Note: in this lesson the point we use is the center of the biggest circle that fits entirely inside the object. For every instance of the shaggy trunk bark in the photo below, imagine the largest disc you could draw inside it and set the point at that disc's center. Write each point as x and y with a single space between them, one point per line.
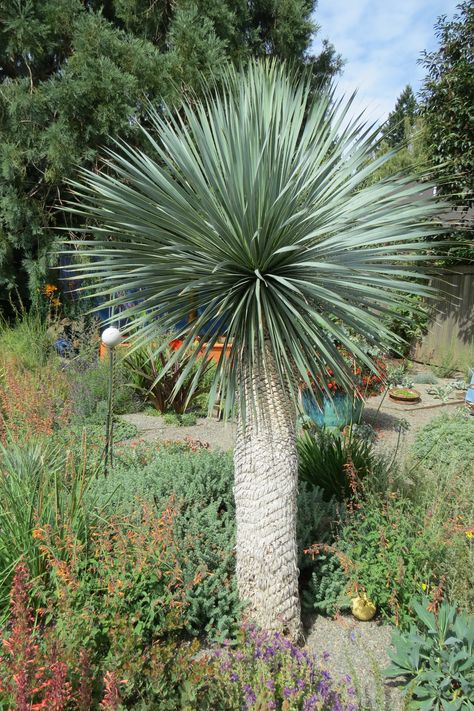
266 480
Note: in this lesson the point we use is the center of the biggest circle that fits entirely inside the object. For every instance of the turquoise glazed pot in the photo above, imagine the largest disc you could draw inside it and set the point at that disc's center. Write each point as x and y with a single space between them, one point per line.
339 411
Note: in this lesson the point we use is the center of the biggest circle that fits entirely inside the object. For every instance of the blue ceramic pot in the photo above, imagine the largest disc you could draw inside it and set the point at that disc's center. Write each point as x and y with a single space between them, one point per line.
339 411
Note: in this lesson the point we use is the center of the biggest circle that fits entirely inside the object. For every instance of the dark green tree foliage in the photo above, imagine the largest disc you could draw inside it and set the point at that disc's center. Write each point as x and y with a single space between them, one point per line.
74 72
401 120
448 100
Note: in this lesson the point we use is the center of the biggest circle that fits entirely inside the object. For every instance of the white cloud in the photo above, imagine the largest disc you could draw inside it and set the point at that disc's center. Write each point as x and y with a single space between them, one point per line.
381 42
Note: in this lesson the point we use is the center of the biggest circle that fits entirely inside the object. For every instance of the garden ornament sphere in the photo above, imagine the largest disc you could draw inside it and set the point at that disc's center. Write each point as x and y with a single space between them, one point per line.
111 337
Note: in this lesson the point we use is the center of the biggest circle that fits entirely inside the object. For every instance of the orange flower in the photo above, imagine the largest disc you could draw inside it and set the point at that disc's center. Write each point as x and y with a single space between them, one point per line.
49 289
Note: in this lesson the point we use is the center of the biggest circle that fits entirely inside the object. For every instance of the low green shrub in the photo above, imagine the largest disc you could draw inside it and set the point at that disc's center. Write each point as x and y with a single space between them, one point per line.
425 379
27 342
335 462
446 441
204 526
188 419
89 383
315 520
436 658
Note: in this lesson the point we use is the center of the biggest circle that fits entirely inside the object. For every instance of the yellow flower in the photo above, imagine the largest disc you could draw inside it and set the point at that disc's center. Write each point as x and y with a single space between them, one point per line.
424 586
470 533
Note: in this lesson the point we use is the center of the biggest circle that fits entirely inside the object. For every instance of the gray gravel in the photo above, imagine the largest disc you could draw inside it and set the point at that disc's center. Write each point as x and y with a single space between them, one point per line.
217 434
357 649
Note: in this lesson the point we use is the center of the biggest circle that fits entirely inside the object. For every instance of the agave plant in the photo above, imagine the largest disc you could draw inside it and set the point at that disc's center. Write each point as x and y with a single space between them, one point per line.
250 207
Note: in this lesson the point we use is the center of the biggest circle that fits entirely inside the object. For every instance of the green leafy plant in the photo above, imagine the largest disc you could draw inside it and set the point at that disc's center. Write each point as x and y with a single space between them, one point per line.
397 375
409 322
436 658
151 374
388 548
334 462
441 392
315 520
200 484
89 383
26 341
123 600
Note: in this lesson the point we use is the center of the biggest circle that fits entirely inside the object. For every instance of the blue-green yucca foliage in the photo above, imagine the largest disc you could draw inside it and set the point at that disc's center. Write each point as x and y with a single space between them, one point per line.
252 204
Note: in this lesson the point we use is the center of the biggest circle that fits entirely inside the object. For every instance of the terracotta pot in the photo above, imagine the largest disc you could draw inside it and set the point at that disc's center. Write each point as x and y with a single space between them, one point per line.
216 352
103 350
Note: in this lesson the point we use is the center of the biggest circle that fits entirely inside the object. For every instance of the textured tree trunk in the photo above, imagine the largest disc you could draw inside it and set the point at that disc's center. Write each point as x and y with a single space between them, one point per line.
266 480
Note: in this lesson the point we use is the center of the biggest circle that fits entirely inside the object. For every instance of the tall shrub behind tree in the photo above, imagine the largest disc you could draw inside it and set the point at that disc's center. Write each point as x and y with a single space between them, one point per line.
448 97
252 205
74 73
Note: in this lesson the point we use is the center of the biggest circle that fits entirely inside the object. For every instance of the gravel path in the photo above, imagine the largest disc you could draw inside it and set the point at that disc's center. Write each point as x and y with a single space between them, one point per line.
357 649
385 419
217 434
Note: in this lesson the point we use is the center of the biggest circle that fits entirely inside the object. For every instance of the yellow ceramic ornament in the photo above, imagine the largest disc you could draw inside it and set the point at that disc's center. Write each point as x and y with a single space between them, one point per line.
363 608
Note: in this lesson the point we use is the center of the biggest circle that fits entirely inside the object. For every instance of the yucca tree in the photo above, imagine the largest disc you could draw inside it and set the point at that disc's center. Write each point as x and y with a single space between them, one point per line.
252 204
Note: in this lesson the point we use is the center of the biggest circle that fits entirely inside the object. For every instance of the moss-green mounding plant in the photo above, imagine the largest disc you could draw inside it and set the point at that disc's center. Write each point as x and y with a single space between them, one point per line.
437 659
326 593
446 441
39 488
187 419
425 379
251 207
334 462
149 375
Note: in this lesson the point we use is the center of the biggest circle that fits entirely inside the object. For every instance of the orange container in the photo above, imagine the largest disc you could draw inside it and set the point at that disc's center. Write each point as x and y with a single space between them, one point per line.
103 350
214 355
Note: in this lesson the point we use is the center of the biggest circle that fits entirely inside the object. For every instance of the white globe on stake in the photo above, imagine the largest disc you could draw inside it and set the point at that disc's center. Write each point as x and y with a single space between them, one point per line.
111 337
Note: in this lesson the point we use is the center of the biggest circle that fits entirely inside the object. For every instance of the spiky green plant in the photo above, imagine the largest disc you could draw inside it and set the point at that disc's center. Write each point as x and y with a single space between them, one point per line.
252 206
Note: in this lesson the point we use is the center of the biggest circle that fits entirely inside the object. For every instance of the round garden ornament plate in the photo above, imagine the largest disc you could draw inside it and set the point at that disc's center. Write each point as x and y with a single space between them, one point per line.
408 395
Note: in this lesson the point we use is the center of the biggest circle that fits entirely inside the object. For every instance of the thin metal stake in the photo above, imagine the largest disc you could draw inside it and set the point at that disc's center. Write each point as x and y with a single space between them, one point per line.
109 427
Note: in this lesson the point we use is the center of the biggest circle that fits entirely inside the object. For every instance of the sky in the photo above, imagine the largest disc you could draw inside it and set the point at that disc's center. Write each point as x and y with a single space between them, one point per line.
381 41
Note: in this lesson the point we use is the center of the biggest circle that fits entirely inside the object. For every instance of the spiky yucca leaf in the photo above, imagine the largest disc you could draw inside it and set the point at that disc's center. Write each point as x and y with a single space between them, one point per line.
252 204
